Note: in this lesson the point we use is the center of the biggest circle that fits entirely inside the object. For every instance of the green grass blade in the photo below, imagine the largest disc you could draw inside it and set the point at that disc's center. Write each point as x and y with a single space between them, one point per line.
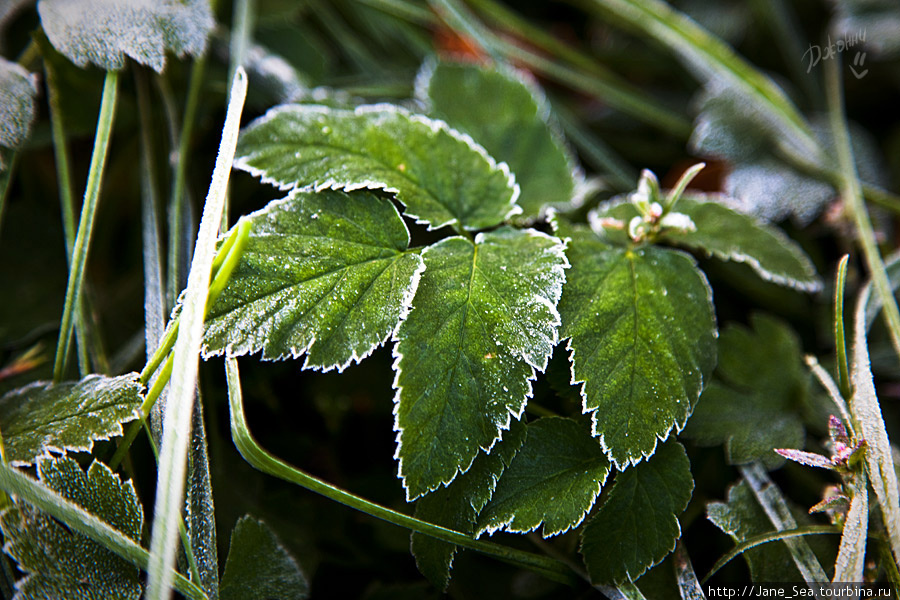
713 60
176 432
86 223
603 85
770 499
840 339
78 519
64 183
154 292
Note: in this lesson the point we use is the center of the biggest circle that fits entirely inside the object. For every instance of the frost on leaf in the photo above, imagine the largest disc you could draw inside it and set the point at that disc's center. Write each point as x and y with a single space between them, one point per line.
719 230
439 174
104 32
457 506
259 567
642 335
61 563
483 320
553 480
731 235
637 525
754 402
327 274
44 417
18 89
515 126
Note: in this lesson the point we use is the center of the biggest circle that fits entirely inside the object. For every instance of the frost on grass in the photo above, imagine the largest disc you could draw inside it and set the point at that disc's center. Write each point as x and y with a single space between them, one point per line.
104 32
44 417
324 274
61 563
18 89
483 320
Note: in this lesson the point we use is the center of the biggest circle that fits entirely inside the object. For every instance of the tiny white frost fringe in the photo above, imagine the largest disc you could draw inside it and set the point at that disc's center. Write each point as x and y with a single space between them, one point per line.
865 409
177 419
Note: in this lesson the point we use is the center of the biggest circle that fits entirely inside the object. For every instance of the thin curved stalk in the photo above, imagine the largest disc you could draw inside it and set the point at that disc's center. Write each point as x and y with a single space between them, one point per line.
765 538
86 223
226 261
259 458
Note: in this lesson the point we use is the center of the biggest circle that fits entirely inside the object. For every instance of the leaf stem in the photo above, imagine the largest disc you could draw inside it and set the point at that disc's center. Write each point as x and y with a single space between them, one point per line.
259 458
225 262
86 223
78 519
772 536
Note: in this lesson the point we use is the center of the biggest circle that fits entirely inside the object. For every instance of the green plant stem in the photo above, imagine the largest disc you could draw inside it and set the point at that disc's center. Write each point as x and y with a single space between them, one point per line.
259 458
226 261
85 225
765 538
617 94
852 195
78 519
67 204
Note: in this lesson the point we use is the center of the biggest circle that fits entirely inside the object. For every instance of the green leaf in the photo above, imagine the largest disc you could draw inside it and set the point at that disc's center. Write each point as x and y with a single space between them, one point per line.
18 89
729 235
505 111
483 319
61 563
457 506
327 274
44 417
742 517
440 175
103 33
754 403
259 567
642 339
637 525
554 479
